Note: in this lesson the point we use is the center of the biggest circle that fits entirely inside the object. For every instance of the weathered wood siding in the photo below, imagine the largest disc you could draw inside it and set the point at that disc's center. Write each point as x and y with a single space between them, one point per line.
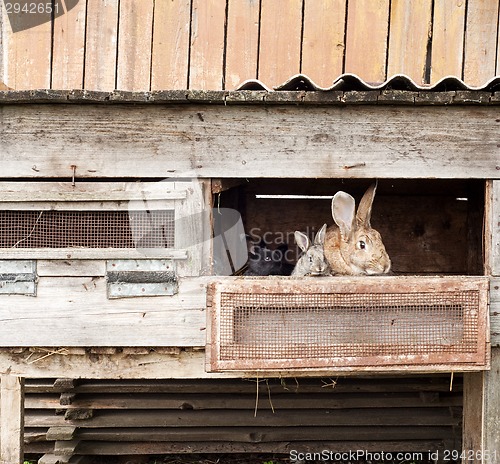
411 413
218 44
105 141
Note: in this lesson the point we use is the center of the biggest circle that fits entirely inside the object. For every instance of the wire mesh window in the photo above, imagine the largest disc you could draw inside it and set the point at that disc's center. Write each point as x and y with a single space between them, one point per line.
358 323
87 229
316 325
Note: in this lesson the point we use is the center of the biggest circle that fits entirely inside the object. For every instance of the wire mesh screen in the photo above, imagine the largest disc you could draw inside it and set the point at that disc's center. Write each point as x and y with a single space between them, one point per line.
87 229
305 327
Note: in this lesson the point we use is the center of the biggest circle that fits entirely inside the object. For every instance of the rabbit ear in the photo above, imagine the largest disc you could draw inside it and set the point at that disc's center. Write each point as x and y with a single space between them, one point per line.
320 236
302 240
343 208
364 213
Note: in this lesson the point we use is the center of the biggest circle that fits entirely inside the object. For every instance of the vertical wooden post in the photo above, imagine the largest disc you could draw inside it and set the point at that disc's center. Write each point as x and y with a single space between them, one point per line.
492 408
491 441
473 413
11 419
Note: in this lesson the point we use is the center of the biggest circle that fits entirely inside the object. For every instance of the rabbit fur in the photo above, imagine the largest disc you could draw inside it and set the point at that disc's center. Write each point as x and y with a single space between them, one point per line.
312 262
351 246
264 262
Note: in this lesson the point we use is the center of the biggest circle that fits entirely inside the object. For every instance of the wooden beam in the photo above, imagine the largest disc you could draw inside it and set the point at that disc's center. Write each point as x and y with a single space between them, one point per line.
44 141
493 231
473 413
11 419
492 406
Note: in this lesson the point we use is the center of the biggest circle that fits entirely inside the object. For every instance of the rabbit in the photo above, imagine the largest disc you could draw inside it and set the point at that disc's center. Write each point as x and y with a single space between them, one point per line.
312 262
264 262
351 246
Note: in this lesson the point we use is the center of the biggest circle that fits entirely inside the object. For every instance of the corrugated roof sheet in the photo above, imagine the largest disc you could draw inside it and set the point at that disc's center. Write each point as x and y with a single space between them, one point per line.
352 82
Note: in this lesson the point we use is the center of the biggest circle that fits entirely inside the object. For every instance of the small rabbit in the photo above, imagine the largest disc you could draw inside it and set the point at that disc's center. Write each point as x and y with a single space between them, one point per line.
264 262
312 262
351 246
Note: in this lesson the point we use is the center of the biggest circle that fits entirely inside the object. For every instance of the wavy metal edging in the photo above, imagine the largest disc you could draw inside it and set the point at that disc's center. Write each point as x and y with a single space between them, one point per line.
346 82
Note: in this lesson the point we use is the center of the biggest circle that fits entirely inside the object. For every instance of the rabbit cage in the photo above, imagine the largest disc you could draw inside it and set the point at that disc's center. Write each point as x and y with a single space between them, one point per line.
88 251
429 313
136 253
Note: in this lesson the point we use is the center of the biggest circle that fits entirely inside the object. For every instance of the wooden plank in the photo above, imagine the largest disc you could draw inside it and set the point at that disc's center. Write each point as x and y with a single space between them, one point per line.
242 42
192 228
89 191
473 416
134 45
366 39
272 448
265 434
410 32
11 419
26 52
375 142
480 41
493 247
280 37
69 48
95 253
74 311
448 28
182 365
3 48
495 311
303 418
492 404
207 45
68 268
370 385
323 42
215 401
101 44
170 49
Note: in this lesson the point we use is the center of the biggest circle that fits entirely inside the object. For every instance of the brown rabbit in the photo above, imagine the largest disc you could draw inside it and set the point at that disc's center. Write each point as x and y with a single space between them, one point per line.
351 246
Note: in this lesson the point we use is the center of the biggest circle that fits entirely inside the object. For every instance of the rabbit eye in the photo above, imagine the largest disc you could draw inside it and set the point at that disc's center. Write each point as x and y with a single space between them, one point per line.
362 245
267 258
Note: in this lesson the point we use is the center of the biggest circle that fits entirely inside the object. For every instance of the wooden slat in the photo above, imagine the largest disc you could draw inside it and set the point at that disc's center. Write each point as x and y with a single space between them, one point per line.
371 385
277 401
494 247
280 35
324 41
242 41
265 434
480 41
207 44
167 418
495 311
473 415
11 419
19 192
69 48
101 44
375 141
170 50
492 403
74 311
134 45
3 29
410 31
67 268
447 39
26 53
366 40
